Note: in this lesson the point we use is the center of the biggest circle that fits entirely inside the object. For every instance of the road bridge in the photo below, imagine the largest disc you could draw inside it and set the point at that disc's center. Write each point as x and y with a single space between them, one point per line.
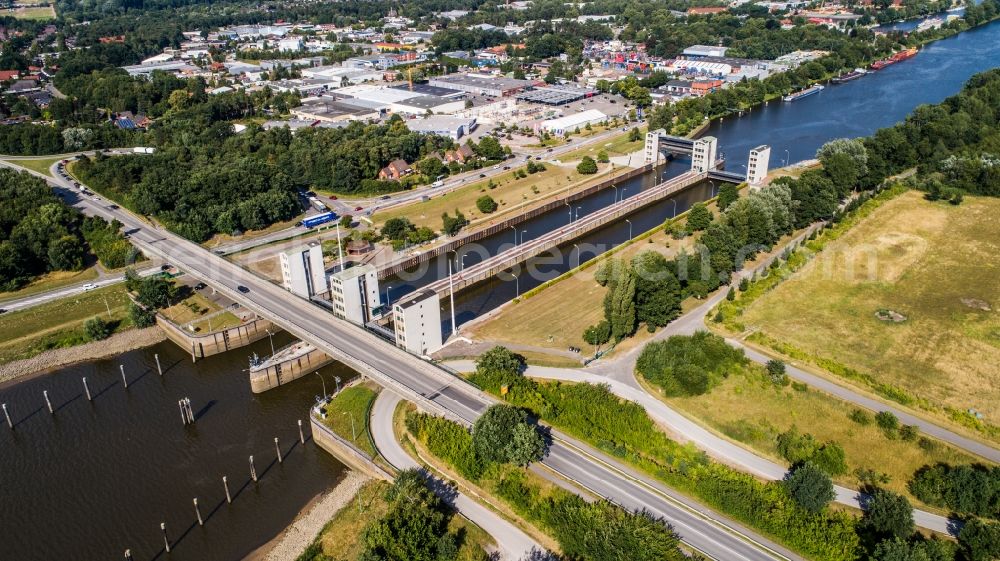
432 389
490 267
727 176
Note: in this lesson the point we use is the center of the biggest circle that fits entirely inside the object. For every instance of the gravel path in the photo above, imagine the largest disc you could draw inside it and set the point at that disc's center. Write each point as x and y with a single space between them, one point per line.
297 537
112 346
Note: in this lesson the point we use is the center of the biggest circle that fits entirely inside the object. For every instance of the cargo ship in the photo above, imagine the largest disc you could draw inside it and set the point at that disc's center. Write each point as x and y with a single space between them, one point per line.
853 75
898 57
804 93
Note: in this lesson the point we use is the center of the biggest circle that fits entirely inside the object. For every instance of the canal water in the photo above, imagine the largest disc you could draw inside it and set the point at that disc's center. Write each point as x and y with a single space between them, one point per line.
98 477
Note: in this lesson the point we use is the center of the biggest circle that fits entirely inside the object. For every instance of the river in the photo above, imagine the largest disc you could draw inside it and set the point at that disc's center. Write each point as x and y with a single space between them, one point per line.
97 478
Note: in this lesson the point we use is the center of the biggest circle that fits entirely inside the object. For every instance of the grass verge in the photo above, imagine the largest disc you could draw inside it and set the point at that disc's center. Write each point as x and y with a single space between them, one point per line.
50 281
347 414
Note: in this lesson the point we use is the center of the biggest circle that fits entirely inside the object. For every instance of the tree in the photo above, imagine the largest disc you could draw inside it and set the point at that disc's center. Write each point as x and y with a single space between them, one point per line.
77 138
500 360
397 228
776 372
657 290
602 157
489 148
97 329
503 435
845 160
486 204
809 487
728 194
346 221
620 305
699 217
980 540
66 253
902 550
451 225
139 316
587 166
412 528
888 515
598 334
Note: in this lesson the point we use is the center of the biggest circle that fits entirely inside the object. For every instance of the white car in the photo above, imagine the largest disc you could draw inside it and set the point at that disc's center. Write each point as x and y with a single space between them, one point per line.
89 286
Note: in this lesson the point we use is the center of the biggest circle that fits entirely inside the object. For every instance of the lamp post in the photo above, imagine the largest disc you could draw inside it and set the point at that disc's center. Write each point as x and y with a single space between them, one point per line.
523 232
387 289
515 235
712 183
570 211
336 380
629 229
675 207
787 157
354 433
615 187
270 337
577 213
577 256
517 284
324 382
464 255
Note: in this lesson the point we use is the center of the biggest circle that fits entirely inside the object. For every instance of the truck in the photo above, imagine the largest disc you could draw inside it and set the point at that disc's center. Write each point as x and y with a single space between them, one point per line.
318 204
313 221
143 150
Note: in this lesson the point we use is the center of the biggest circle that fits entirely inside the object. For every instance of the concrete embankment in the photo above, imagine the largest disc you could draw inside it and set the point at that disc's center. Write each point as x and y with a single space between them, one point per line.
201 346
95 350
291 363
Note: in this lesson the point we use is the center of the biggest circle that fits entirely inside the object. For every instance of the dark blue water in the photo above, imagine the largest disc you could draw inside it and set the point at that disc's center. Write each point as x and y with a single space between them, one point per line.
861 107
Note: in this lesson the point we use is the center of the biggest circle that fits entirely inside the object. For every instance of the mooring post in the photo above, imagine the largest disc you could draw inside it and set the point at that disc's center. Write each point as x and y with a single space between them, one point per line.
6 415
253 471
128 555
47 402
277 449
124 380
166 542
184 419
197 512
302 437
86 389
158 369
225 483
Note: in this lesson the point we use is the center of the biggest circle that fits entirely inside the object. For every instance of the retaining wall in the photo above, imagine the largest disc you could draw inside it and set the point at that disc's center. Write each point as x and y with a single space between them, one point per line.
285 371
350 455
201 346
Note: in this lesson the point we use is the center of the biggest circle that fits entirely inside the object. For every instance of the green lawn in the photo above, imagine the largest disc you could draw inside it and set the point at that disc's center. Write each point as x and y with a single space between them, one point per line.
34 12
26 333
40 165
353 402
936 265
50 281
620 145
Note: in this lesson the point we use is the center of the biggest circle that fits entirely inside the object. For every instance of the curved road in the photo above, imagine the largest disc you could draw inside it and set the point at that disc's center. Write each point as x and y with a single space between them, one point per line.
513 543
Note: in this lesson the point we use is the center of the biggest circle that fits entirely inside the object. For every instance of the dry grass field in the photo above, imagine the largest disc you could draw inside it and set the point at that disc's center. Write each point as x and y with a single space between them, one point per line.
934 267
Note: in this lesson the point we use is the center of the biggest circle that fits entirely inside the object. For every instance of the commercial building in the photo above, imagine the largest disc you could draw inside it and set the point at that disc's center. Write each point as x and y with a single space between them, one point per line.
555 95
354 293
329 109
757 167
704 50
452 127
569 123
302 270
417 322
424 104
481 85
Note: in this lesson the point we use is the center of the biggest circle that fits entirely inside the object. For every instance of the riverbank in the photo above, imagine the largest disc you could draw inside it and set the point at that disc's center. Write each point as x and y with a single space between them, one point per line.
288 545
117 344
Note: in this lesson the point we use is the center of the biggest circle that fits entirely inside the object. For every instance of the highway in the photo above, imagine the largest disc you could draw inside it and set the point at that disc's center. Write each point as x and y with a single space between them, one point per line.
430 387
514 544
71 290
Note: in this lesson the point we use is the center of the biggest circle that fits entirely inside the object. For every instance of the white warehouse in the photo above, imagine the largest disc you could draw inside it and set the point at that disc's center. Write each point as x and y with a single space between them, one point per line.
569 123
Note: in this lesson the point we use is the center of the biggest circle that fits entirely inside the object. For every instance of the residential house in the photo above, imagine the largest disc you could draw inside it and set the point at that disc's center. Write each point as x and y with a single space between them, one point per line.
461 155
395 170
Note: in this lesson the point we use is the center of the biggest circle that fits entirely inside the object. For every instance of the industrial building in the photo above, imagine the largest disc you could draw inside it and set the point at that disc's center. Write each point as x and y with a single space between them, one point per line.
417 322
555 95
423 104
481 85
569 123
354 293
330 109
302 270
452 127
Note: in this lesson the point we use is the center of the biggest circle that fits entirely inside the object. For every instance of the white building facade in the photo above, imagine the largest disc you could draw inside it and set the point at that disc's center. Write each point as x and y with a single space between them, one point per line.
417 322
354 293
302 270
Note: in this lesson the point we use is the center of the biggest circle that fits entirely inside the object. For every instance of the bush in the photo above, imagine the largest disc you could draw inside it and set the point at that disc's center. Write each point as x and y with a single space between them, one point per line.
587 166
776 372
809 487
598 334
140 317
980 541
888 423
861 417
453 224
909 433
502 435
967 489
888 515
802 447
688 365
602 157
97 329
486 204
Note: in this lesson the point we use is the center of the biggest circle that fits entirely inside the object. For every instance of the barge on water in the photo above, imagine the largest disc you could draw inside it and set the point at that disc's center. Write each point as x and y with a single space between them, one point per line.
898 57
804 93
853 75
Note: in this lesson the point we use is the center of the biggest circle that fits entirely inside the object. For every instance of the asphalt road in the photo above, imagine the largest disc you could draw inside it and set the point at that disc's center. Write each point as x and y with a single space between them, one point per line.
430 387
513 543
67 291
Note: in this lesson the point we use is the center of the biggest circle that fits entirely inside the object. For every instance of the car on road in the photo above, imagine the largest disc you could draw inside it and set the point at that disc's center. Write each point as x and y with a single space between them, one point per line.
482 175
437 183
384 198
200 286
333 197
242 289
3 310
538 157
89 286
165 267
358 208
549 150
113 207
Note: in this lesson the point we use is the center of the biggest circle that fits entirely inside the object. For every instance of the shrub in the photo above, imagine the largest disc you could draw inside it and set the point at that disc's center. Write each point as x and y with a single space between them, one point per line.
97 329
776 372
861 417
809 487
602 157
503 435
909 433
888 423
140 317
688 365
587 166
486 204
888 515
967 489
802 447
980 541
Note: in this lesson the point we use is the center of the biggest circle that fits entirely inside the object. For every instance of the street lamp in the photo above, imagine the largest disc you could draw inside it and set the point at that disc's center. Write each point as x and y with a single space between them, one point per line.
324 382
787 157
517 284
336 379
464 255
523 232
712 183
675 207
629 229
577 256
387 289
270 337
578 213
570 211
615 187
354 433
515 235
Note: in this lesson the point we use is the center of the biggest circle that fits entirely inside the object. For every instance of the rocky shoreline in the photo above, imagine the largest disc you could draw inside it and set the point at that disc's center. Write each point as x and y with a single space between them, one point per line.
307 525
115 345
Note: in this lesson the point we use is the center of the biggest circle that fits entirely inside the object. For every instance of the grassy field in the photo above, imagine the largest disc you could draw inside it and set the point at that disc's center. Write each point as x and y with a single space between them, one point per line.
749 409
40 165
509 193
617 146
934 264
353 401
50 281
200 313
34 12
26 333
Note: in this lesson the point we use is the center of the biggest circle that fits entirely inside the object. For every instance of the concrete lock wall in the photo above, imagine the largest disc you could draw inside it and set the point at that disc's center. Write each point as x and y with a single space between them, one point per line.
285 371
347 453
201 346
